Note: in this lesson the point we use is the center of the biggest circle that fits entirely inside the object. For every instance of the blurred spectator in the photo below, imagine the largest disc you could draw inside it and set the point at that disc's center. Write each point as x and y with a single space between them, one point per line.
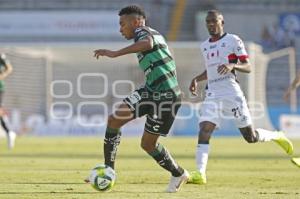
266 38
274 37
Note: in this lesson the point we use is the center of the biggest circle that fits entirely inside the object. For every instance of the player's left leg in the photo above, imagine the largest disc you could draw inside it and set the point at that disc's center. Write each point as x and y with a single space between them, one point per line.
262 135
113 134
162 156
11 135
243 121
159 121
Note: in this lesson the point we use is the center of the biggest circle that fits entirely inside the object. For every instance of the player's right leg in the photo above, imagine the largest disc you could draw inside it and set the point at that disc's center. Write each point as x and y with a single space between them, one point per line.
209 120
113 134
202 151
130 109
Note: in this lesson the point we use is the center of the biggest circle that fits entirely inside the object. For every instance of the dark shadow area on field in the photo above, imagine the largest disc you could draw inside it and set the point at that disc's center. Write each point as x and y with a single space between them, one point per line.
128 191
76 183
82 193
48 192
178 156
46 183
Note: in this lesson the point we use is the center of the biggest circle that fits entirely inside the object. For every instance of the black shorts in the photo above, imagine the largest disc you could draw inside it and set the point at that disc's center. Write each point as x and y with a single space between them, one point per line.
159 108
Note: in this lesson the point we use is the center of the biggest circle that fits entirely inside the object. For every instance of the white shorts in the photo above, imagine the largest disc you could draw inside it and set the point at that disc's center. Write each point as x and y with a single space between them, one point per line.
229 107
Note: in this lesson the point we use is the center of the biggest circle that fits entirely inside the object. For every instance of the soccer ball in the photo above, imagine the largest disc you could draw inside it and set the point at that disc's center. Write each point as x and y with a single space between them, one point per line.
102 177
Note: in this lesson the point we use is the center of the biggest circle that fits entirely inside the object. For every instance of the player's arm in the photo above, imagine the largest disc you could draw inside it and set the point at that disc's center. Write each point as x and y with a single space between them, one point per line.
201 77
8 67
139 46
195 80
243 66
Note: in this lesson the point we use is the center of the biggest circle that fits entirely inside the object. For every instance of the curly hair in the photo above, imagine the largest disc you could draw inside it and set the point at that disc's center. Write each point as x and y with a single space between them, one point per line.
133 9
214 11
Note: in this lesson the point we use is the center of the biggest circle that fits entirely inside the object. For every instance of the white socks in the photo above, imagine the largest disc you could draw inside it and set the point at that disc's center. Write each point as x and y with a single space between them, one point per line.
203 149
202 157
265 135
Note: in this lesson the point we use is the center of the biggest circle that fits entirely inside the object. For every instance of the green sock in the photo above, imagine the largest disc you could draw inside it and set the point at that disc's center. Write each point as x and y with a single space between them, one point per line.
165 160
111 141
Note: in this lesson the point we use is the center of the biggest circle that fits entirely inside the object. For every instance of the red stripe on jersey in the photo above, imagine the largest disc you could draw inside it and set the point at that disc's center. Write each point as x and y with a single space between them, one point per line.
243 57
232 58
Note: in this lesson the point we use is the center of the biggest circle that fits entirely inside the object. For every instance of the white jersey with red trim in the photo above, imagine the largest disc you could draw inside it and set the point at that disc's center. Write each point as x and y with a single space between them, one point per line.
228 49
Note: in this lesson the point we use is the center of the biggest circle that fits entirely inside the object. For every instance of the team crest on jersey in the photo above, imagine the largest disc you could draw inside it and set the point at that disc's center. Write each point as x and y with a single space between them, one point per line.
141 33
212 54
156 127
223 45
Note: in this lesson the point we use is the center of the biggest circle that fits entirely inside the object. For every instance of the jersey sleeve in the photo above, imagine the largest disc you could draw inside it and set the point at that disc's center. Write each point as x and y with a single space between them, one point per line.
239 48
140 34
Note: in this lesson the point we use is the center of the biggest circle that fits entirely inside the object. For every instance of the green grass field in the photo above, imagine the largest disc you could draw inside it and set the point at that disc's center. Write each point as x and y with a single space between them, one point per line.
55 168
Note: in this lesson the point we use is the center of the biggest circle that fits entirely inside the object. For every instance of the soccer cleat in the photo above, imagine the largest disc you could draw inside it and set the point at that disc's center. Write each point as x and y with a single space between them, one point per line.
177 182
197 178
11 137
284 143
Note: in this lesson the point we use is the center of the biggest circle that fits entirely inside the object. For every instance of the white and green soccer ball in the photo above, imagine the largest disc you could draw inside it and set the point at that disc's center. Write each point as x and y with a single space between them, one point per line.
102 177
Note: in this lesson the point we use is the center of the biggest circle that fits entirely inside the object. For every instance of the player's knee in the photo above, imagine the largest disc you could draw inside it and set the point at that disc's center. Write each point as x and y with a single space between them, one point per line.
203 138
204 134
147 146
110 120
113 122
249 134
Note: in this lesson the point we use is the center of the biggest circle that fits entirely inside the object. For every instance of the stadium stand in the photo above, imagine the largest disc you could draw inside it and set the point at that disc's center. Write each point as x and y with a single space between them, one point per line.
186 57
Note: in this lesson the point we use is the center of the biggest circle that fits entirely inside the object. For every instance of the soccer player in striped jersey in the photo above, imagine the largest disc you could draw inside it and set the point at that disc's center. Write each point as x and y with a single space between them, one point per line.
159 99
5 70
224 54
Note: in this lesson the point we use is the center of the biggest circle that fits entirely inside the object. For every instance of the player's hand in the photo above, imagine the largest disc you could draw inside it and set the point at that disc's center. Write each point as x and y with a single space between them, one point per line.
193 87
225 68
105 52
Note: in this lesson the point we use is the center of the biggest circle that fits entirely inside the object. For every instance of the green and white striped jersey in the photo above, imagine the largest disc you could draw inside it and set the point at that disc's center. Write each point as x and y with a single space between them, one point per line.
158 65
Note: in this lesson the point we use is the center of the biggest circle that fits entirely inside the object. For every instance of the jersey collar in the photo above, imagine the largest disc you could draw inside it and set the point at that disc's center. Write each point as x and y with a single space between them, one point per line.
218 39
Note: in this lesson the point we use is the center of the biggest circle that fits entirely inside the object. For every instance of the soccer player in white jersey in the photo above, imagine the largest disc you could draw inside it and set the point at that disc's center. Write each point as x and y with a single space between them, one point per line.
224 54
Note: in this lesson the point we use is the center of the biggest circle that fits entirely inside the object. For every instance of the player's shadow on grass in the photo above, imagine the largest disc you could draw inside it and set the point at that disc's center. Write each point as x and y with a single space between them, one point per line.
49 183
47 192
76 183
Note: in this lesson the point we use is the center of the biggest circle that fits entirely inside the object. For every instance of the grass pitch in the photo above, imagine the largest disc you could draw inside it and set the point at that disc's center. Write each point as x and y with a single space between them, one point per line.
55 168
